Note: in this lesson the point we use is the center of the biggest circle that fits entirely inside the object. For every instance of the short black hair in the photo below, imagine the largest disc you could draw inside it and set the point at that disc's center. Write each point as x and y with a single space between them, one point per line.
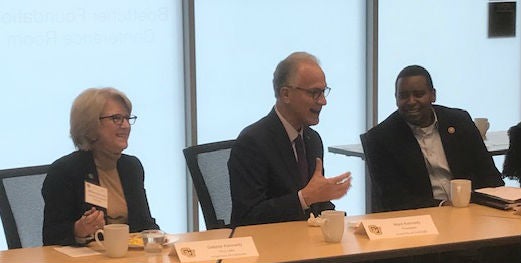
414 70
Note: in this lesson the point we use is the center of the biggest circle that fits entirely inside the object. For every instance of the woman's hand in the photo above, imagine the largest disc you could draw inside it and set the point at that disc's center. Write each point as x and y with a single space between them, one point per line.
91 221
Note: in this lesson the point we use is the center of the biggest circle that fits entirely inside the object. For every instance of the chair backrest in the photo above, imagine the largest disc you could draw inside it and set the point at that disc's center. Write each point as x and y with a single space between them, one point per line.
372 202
21 205
512 163
208 165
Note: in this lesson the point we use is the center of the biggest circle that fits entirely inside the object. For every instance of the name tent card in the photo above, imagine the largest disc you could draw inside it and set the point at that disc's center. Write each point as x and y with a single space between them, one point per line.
398 227
215 249
96 195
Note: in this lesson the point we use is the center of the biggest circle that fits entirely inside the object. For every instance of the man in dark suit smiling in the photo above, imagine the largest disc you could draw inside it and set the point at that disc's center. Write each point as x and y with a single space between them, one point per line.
275 164
414 153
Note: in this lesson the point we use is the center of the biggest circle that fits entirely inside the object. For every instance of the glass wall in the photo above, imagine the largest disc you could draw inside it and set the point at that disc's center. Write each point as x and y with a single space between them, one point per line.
53 50
238 45
450 38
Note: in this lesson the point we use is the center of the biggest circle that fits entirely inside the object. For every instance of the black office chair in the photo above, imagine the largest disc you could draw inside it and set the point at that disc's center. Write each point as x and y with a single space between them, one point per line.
208 165
21 205
372 202
512 163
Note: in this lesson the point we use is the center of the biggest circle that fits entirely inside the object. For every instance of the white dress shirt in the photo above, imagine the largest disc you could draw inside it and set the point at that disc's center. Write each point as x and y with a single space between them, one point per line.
292 135
435 160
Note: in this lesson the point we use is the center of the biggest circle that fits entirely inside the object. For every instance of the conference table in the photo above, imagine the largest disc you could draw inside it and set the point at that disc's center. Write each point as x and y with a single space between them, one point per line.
458 229
496 141
48 254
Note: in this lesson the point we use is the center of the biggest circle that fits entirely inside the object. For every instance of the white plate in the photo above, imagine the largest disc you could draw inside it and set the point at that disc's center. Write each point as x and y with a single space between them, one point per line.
135 240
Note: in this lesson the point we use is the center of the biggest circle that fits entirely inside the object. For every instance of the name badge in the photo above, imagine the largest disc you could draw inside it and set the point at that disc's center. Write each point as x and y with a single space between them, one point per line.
398 227
96 195
212 250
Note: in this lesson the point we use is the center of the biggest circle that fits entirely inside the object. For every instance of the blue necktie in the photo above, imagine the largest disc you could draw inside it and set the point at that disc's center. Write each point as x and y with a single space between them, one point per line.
302 161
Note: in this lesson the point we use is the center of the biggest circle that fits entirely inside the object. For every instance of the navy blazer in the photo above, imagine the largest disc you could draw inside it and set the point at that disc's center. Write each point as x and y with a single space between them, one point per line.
397 168
264 176
64 195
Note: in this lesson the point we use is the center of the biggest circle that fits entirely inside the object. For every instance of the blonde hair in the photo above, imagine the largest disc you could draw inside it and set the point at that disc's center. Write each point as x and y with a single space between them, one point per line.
85 113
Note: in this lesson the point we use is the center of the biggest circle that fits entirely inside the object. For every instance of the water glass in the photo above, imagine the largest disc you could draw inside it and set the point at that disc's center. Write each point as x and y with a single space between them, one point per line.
153 240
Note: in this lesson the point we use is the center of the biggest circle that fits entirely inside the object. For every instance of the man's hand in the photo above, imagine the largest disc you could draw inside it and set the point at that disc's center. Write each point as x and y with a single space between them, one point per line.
321 189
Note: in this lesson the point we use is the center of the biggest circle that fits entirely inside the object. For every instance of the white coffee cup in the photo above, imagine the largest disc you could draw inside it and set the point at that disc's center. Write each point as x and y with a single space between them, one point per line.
332 225
115 239
460 192
483 125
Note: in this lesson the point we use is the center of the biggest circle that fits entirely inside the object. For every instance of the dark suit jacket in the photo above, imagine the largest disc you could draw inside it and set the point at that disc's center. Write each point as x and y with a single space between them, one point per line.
397 167
264 177
512 164
64 195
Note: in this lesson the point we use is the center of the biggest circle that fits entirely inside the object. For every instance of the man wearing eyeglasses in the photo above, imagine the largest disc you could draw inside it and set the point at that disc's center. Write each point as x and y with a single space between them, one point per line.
275 165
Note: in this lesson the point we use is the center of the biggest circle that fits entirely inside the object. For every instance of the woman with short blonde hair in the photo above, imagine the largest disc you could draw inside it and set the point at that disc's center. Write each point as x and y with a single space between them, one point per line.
100 124
86 110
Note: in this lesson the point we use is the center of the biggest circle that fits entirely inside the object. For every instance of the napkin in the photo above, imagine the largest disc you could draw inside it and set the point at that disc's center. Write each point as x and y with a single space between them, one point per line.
76 251
315 221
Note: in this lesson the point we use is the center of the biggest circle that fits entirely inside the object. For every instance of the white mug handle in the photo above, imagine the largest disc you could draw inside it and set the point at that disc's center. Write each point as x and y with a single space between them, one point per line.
96 237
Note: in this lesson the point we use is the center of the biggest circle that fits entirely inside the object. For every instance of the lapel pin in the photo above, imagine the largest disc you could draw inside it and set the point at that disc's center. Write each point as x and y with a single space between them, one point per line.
90 176
451 130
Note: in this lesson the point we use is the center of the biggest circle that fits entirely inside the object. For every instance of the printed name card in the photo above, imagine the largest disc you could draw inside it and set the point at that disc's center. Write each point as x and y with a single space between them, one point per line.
215 249
96 195
398 227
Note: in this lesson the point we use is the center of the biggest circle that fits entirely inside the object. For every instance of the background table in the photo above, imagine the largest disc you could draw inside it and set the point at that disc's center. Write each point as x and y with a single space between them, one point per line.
48 254
459 228
497 144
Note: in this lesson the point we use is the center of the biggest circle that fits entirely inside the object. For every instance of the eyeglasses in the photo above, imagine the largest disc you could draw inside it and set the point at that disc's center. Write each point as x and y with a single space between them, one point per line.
118 119
316 93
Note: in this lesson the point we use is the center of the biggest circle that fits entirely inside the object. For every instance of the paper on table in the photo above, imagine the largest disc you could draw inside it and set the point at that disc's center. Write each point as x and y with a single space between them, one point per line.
76 251
506 193
397 227
212 250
